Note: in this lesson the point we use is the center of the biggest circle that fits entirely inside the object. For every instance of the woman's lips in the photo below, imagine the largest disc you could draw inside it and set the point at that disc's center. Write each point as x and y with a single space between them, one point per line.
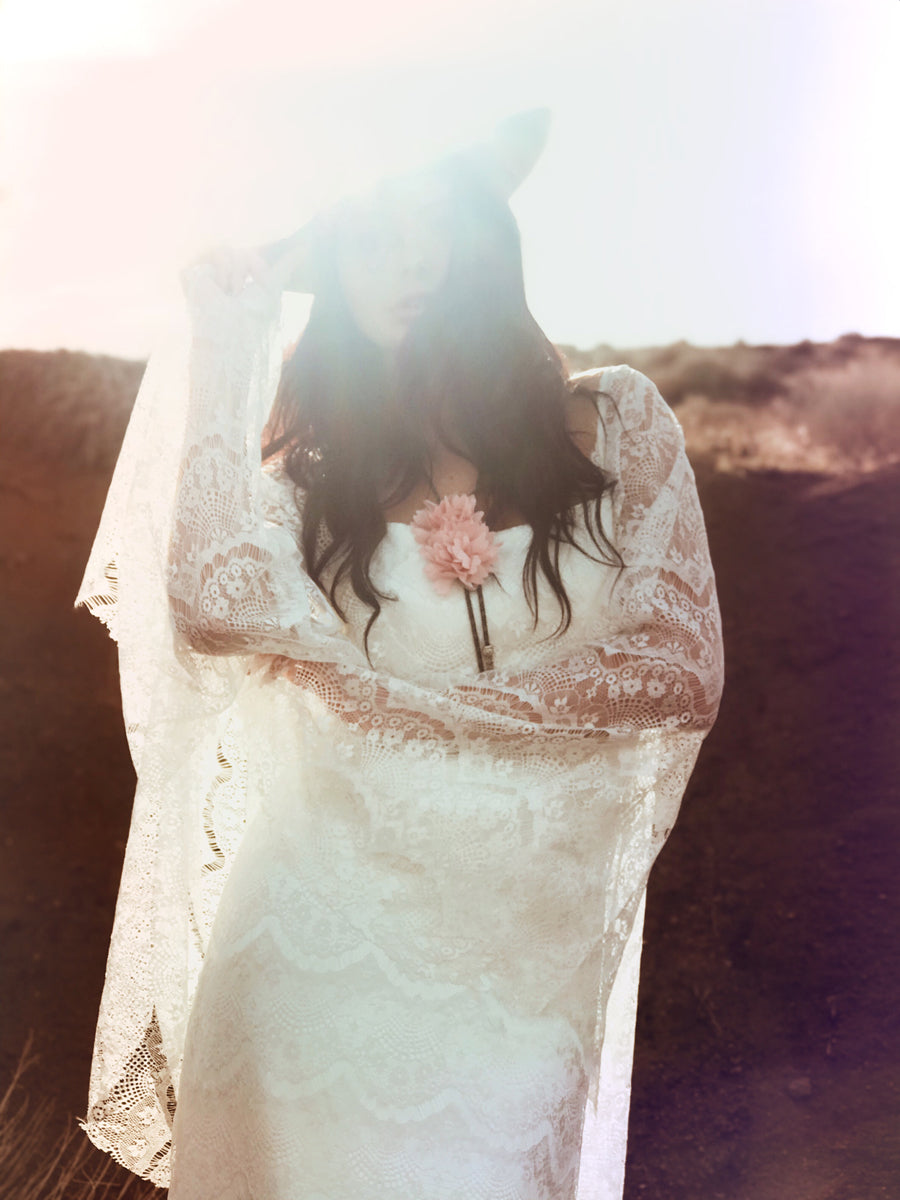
410 306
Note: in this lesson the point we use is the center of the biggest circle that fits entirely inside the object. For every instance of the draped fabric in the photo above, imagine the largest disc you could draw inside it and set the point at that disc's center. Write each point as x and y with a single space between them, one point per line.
339 841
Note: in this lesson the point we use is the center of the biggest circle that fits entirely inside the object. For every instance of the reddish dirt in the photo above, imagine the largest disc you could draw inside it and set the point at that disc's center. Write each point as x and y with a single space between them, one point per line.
768 1050
768 1057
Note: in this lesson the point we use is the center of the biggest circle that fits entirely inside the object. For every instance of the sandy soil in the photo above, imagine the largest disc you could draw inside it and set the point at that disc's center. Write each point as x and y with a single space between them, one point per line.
768 1042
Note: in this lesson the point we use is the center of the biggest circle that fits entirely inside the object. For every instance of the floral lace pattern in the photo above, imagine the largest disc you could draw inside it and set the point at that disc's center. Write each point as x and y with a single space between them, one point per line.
415 892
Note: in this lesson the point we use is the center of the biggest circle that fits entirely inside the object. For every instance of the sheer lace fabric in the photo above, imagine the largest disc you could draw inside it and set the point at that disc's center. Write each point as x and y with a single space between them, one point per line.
416 892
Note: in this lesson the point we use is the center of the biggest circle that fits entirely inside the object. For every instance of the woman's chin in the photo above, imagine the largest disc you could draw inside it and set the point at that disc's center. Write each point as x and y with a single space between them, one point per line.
392 339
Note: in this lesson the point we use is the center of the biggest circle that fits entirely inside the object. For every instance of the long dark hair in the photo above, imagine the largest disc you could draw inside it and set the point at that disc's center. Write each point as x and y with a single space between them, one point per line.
355 440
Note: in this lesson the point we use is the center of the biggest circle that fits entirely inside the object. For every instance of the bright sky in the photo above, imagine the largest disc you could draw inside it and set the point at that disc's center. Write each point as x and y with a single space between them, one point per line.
717 169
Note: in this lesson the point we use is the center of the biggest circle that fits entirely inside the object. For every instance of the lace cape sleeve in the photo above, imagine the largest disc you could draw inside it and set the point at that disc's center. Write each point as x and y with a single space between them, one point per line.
195 569
235 579
195 541
663 668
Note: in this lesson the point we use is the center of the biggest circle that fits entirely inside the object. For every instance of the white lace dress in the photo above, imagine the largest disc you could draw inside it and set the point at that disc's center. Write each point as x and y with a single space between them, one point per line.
416 894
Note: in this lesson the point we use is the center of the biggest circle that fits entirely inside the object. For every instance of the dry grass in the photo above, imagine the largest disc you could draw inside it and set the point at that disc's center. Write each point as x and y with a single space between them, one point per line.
836 419
852 411
829 407
72 1169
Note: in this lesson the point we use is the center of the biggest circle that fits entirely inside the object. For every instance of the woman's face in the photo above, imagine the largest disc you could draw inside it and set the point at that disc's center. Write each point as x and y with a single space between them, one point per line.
393 252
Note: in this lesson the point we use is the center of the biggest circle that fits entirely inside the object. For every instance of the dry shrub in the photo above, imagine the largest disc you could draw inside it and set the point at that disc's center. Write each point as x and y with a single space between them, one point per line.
829 406
749 374
71 1170
852 409
729 437
842 417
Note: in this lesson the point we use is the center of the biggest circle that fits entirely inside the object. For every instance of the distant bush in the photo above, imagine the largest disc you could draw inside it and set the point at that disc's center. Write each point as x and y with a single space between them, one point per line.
822 406
65 406
834 418
852 409
742 373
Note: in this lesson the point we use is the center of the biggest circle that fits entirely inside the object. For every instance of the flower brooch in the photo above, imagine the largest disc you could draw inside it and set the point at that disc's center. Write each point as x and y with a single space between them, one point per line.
458 546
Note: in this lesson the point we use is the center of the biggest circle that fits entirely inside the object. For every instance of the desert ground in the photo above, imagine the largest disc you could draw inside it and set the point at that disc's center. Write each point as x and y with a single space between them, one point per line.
767 1058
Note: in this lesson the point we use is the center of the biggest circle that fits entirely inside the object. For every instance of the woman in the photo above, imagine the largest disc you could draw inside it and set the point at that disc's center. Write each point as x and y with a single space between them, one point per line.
412 704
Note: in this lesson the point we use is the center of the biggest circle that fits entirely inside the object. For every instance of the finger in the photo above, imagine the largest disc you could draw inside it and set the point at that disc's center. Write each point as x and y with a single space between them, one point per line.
193 276
259 268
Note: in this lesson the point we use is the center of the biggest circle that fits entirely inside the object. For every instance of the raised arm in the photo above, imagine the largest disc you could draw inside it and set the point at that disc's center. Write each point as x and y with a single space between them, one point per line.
235 575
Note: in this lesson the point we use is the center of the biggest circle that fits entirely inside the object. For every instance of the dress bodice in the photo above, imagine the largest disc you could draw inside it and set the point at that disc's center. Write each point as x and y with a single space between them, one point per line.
425 637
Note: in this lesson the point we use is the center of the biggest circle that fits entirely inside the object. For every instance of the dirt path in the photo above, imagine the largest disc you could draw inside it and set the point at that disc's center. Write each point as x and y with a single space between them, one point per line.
767 1059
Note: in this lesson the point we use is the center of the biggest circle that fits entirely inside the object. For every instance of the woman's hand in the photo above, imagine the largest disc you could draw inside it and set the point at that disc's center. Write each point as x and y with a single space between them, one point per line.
291 262
230 269
281 266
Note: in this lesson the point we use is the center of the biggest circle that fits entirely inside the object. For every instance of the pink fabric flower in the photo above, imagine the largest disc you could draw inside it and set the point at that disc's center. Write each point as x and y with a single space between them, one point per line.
455 542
